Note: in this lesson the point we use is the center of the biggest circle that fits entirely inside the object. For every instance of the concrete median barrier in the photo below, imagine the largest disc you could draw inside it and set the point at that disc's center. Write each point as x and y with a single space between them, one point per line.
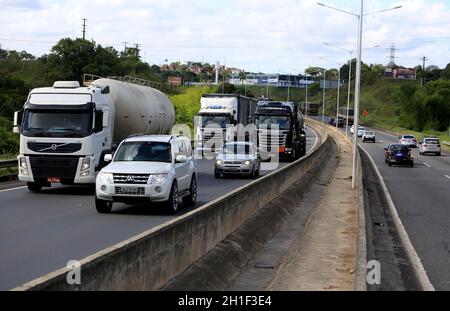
149 260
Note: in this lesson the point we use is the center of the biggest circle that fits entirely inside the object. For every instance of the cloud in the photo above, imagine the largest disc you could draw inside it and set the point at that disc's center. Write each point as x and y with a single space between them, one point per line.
257 35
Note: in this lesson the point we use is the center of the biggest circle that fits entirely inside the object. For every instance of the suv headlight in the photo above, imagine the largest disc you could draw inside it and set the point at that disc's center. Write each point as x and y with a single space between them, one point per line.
247 163
105 178
157 179
219 162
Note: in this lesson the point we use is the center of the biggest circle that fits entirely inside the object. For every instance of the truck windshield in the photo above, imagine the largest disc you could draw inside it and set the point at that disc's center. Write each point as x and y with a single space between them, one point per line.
77 123
267 121
215 120
144 152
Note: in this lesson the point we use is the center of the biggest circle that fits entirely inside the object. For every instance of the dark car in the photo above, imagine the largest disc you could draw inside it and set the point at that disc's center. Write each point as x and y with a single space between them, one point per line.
398 154
341 122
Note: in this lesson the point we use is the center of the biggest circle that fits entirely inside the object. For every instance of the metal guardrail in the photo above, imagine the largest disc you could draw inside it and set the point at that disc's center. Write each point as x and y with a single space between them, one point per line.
8 163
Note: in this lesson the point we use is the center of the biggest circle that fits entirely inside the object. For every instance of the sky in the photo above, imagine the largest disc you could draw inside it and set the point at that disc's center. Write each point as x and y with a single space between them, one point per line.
283 36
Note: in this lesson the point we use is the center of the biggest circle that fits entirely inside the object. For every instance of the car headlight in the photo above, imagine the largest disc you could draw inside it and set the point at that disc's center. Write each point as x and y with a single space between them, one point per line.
105 178
247 162
219 162
157 179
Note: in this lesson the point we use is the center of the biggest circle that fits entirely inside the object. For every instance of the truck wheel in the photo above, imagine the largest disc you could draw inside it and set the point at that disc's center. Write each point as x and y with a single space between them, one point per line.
102 206
34 186
172 203
191 199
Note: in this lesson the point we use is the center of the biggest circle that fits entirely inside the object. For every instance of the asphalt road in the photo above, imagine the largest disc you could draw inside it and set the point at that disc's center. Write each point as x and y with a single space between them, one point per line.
422 198
40 233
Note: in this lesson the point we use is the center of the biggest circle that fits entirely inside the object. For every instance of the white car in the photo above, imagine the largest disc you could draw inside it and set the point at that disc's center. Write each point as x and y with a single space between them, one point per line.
368 136
430 145
361 131
352 129
238 158
147 169
408 140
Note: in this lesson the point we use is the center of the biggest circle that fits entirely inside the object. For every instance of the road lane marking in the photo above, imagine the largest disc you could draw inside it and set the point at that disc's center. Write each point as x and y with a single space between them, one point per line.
16 188
447 176
427 165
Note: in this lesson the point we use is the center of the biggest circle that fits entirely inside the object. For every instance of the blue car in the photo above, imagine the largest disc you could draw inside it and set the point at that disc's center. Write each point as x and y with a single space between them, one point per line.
398 154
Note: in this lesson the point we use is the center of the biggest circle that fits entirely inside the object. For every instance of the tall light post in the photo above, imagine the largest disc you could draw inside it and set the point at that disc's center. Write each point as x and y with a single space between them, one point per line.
360 18
349 76
306 94
324 91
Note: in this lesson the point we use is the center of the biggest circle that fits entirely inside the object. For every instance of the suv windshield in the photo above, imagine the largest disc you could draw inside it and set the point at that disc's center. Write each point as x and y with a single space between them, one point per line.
144 151
237 149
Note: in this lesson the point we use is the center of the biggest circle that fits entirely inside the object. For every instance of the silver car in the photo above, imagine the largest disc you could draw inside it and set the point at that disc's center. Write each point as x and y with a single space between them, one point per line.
238 158
430 145
408 140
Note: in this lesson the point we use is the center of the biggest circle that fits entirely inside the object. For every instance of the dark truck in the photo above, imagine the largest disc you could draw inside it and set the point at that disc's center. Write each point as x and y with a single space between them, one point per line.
313 109
290 141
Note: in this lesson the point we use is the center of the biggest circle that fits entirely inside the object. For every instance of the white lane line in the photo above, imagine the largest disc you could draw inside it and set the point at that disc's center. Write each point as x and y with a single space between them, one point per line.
13 189
417 266
427 165
316 141
447 176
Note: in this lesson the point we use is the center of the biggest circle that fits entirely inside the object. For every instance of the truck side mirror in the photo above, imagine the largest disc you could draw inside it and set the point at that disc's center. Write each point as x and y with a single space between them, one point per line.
107 157
16 126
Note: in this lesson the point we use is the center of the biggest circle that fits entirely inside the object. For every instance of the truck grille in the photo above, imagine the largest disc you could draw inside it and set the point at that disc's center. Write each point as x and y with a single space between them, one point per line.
54 147
52 166
137 179
213 139
266 140
130 190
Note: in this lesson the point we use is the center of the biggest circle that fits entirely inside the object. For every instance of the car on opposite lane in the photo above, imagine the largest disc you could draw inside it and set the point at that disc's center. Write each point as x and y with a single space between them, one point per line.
398 154
430 145
238 158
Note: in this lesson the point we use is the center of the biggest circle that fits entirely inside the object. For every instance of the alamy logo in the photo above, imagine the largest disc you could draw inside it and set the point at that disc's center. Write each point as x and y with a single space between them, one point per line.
74 275
374 273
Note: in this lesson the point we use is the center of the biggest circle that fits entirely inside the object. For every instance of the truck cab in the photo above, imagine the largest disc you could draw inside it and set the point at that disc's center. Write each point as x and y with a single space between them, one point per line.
280 128
64 133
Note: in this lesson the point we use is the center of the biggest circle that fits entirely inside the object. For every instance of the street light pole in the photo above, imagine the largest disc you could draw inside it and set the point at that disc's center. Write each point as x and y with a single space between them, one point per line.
357 93
338 98
306 95
349 91
324 90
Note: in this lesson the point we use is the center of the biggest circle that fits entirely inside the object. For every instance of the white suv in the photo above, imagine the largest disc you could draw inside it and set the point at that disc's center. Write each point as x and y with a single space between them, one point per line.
430 145
148 169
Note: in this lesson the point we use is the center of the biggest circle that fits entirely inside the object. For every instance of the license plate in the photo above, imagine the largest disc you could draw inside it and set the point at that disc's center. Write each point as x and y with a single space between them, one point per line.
400 155
54 180
129 190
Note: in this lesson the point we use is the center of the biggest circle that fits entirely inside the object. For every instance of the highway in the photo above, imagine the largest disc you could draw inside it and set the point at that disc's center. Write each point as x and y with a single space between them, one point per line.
422 198
41 232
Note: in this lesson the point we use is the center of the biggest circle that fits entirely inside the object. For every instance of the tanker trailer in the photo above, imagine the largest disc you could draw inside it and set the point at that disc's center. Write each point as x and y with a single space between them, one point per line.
66 130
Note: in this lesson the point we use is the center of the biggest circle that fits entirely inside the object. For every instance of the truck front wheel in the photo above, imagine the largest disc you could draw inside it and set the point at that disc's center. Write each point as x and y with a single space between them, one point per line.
34 186
102 206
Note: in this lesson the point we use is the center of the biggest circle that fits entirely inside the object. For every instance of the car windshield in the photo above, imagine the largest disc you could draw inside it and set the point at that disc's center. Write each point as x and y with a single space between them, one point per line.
362 129
431 141
77 123
144 151
399 148
237 149
268 121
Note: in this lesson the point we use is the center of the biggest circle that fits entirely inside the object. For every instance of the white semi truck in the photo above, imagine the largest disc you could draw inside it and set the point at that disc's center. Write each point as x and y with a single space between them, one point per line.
66 130
217 118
